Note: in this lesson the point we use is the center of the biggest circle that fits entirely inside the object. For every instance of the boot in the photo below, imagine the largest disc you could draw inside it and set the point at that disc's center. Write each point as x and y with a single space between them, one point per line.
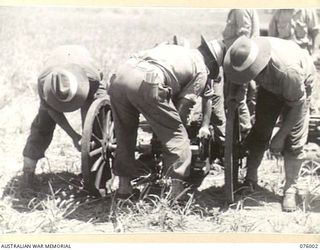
125 188
289 203
29 168
292 167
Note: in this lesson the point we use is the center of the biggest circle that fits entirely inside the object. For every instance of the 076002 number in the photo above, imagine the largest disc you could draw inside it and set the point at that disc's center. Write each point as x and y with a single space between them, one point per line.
308 246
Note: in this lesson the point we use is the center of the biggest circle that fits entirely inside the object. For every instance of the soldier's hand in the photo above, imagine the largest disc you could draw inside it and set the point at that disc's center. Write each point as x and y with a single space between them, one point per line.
204 132
277 144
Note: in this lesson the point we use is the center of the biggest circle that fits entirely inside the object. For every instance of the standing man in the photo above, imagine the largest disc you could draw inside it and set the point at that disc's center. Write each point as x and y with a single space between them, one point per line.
241 22
69 81
298 25
162 84
285 78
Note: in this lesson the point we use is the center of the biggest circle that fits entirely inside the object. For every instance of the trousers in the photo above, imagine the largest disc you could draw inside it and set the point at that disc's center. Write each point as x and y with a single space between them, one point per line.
268 109
139 88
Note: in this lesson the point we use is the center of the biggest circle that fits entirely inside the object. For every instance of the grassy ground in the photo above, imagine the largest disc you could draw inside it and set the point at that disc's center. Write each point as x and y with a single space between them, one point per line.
57 205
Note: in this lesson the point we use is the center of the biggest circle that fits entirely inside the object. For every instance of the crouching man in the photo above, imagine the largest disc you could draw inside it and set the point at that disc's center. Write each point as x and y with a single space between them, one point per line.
70 80
284 74
162 84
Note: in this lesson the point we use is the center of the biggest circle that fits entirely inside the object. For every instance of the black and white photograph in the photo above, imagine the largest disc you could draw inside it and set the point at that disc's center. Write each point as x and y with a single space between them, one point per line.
125 120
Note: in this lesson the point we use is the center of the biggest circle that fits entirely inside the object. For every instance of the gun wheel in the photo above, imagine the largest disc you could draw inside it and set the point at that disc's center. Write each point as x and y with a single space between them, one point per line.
232 160
97 147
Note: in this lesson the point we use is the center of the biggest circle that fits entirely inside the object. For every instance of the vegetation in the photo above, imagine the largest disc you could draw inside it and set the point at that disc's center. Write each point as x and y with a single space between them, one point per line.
59 205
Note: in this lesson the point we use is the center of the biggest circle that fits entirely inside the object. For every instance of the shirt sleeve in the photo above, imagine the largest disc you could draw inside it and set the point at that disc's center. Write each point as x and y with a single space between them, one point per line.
312 21
243 22
293 87
195 87
208 91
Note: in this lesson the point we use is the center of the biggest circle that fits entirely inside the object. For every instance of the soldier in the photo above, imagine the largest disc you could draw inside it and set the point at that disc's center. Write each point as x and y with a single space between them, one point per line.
70 80
285 78
162 84
241 22
298 25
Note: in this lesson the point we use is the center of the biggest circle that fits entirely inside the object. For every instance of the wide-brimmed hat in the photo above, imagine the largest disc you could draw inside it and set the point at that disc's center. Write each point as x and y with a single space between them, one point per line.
246 58
216 50
215 47
66 87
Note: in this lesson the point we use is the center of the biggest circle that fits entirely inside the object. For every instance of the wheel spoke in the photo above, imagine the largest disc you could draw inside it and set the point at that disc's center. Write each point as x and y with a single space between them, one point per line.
96 164
107 124
95 152
96 137
110 128
99 175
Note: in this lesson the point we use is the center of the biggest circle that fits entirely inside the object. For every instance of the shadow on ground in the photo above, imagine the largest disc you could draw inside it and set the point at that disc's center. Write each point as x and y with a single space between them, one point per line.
65 189
213 197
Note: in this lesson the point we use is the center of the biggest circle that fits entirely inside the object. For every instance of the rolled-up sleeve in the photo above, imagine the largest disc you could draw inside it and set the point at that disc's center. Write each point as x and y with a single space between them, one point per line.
208 91
293 87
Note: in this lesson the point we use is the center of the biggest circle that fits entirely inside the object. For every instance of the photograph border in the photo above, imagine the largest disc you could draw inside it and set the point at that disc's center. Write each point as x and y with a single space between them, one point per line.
164 237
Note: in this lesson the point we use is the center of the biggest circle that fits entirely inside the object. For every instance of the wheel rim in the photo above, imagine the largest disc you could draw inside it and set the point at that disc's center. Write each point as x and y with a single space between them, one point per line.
96 150
231 154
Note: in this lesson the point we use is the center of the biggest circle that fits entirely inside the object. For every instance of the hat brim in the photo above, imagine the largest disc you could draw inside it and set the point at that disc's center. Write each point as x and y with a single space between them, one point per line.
80 96
255 68
215 71
208 47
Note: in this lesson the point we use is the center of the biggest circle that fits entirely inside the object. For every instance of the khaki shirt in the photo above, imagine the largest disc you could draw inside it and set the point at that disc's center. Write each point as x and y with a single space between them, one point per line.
184 69
240 22
294 24
290 72
72 54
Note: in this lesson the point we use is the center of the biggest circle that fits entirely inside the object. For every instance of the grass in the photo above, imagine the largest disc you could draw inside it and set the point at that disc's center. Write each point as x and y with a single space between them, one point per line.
59 205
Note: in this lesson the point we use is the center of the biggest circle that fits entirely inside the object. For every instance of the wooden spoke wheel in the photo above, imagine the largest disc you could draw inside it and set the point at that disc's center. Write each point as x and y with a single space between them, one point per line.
232 159
97 146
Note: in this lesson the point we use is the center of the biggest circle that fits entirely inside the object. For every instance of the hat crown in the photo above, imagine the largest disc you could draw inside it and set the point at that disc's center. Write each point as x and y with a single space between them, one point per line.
60 85
240 52
246 58
65 87
239 55
64 84
243 53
